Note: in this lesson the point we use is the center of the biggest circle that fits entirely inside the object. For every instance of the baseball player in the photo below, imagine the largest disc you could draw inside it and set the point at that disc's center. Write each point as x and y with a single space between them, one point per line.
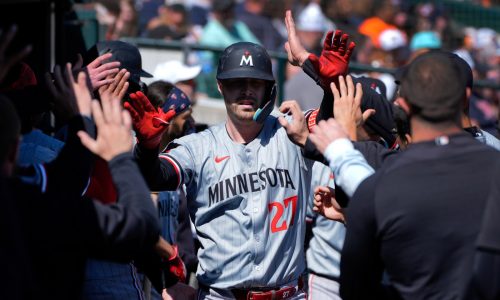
246 182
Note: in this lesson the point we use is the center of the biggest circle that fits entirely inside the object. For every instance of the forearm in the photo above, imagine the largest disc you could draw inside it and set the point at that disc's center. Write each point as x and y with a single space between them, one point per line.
311 152
348 165
159 174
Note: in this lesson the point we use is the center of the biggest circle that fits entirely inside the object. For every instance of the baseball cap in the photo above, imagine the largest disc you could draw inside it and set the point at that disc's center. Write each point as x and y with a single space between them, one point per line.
245 60
425 40
175 71
382 122
127 54
433 84
391 39
311 19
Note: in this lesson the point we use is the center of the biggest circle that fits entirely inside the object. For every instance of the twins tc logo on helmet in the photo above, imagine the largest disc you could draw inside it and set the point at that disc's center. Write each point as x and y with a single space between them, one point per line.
246 59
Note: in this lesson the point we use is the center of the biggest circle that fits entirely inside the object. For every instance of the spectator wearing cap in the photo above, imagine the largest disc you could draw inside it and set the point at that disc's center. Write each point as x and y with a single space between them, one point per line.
424 41
179 74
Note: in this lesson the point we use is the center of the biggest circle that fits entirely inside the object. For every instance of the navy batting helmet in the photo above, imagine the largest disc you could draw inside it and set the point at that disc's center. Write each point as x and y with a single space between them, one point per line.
249 60
245 60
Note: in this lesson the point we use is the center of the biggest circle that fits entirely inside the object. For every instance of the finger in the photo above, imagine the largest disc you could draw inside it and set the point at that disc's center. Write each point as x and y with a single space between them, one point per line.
79 62
135 103
126 119
290 24
350 50
17 57
115 113
336 40
335 91
68 81
118 77
119 88
107 107
123 90
133 113
107 73
169 115
108 66
283 122
343 44
50 85
342 86
323 189
327 45
97 62
97 113
103 84
7 38
367 114
88 142
58 78
350 87
359 94
144 102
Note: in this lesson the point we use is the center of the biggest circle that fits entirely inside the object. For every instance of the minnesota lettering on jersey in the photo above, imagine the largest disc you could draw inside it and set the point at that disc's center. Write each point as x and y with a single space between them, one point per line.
253 182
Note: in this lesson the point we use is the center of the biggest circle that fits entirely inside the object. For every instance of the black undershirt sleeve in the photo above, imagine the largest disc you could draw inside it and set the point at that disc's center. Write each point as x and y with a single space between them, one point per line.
160 175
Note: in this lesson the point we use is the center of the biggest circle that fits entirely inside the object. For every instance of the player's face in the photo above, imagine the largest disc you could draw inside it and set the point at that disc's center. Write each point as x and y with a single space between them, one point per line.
243 96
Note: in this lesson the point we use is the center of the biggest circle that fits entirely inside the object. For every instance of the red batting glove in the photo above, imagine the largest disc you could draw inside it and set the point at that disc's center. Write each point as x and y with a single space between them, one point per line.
334 59
174 269
149 123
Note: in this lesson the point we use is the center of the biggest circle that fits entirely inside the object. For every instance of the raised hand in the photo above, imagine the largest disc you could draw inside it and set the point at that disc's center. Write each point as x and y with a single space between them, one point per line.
113 130
347 105
325 133
294 123
118 86
70 97
99 71
297 54
7 62
334 59
149 123
326 205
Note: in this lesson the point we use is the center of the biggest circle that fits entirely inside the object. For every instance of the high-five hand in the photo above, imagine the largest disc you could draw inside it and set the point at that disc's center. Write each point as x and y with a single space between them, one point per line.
334 59
149 123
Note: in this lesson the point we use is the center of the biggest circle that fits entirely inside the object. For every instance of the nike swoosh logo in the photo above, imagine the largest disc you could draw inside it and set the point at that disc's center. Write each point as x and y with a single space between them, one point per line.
219 159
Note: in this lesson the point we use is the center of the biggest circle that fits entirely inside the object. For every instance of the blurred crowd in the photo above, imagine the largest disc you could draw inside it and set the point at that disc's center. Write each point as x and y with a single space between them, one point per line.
388 34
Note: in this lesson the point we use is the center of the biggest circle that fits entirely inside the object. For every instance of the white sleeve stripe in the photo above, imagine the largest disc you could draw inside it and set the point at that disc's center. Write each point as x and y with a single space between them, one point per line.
43 172
176 168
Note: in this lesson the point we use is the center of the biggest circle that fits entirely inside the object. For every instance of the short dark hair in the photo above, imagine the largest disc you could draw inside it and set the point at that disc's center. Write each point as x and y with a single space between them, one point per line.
10 126
433 87
158 92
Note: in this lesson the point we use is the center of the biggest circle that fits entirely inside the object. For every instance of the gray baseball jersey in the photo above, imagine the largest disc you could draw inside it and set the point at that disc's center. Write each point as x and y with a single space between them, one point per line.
323 254
248 204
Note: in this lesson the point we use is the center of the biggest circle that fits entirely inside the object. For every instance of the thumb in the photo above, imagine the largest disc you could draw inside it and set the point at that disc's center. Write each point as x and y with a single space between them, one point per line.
283 123
367 114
